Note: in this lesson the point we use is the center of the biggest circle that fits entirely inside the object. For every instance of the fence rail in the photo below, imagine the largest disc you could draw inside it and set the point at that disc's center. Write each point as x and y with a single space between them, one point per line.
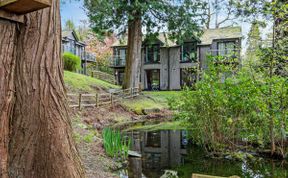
98 100
103 76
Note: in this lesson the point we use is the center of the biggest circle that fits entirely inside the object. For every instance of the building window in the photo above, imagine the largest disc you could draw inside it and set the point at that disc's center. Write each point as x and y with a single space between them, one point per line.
153 79
226 48
189 52
153 139
122 53
120 56
120 77
188 77
152 54
184 139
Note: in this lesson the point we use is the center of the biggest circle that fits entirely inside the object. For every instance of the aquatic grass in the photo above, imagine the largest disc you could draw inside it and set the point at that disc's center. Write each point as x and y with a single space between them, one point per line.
115 144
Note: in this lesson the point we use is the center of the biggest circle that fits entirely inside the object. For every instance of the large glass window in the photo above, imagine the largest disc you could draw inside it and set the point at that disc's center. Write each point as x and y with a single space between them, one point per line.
122 53
120 56
189 52
153 79
152 54
226 48
153 139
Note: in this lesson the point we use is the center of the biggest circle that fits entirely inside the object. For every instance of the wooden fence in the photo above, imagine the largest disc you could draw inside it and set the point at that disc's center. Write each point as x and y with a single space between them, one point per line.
103 76
98 100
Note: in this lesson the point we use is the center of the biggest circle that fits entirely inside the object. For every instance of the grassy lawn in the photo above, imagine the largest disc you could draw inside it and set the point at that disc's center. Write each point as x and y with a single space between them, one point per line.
150 100
78 82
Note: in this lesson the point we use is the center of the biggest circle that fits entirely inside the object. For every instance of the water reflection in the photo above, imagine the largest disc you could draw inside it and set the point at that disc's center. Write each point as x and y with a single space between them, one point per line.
159 150
162 150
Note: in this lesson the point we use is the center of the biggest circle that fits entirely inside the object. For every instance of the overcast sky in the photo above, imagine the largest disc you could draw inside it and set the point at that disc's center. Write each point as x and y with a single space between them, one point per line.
74 11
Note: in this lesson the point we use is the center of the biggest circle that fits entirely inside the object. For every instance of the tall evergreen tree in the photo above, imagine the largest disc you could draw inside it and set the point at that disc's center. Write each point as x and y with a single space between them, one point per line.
69 25
274 58
181 18
253 42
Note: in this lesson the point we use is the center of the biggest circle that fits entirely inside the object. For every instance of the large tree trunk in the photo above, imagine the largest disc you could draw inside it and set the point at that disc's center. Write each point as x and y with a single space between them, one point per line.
8 40
40 133
133 58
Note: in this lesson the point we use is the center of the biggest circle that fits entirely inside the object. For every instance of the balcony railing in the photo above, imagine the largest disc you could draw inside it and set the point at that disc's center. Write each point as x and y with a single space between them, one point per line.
68 49
227 56
90 57
83 55
226 52
117 61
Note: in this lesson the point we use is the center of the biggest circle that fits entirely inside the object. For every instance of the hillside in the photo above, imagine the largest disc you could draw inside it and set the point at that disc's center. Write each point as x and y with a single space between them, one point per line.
84 84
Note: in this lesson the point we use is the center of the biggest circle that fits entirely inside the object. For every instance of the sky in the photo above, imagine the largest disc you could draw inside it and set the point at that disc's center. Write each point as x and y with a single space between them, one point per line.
73 10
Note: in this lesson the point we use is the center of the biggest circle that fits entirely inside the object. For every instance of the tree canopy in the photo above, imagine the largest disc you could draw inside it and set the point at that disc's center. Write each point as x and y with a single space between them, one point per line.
181 18
69 25
254 41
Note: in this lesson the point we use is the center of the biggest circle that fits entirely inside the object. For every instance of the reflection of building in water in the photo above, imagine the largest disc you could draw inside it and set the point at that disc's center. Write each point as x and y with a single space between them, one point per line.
161 149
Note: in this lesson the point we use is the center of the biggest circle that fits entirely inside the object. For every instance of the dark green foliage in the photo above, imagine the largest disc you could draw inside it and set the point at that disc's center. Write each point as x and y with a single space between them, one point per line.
227 107
180 18
71 62
69 25
253 42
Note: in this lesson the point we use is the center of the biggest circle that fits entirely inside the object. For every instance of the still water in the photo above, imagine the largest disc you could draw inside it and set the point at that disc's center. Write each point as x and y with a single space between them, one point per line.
171 150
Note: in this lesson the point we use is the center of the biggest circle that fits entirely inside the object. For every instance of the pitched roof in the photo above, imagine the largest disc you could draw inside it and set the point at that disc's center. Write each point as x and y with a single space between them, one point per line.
220 33
162 38
206 39
165 40
121 42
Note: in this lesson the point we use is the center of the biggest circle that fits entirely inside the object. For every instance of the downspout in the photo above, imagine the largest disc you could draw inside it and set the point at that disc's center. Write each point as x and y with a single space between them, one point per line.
85 65
168 68
199 63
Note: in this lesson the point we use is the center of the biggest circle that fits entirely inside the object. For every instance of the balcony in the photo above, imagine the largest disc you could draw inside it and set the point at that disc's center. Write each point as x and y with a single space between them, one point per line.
117 61
227 56
89 57
69 49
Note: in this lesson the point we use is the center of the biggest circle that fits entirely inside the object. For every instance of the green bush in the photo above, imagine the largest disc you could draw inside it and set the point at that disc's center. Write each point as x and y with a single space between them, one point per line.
71 62
239 107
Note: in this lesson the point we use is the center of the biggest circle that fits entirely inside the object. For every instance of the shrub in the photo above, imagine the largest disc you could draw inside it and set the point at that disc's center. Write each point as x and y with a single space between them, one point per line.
71 62
222 112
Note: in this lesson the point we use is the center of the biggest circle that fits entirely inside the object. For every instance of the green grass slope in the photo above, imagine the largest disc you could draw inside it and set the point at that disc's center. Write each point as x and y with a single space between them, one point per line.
150 100
81 83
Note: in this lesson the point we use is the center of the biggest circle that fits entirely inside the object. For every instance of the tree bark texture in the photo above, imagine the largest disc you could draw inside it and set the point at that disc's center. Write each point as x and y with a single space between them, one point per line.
40 132
133 58
8 39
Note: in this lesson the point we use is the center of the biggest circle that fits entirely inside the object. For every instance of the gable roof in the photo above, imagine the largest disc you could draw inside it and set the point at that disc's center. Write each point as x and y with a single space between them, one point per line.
206 39
71 34
220 33
162 38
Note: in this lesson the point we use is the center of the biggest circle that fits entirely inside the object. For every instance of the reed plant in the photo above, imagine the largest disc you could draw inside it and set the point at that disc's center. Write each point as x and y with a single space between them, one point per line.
115 144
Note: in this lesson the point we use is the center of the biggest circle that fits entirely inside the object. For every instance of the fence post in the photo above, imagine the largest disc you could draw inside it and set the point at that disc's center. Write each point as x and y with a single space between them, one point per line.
80 100
97 100
131 92
111 99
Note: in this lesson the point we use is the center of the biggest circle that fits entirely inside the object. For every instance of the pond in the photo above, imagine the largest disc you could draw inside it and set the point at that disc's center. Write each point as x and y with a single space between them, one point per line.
171 150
